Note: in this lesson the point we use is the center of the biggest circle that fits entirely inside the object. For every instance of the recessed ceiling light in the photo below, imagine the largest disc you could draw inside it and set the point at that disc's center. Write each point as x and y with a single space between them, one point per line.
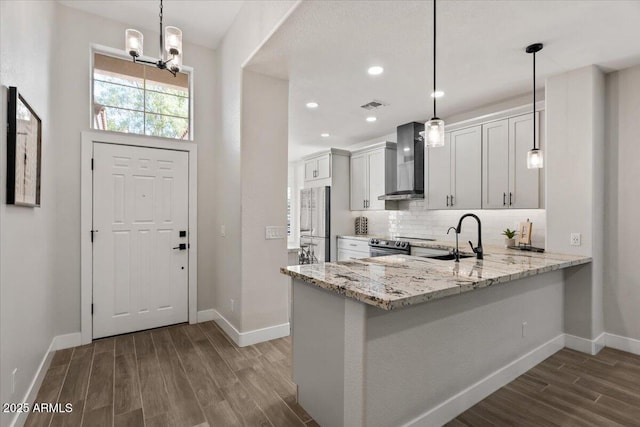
437 94
375 70
407 149
325 135
312 105
371 119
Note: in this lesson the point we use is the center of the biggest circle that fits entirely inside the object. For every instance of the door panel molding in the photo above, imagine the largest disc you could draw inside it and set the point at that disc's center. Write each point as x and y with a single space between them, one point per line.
88 139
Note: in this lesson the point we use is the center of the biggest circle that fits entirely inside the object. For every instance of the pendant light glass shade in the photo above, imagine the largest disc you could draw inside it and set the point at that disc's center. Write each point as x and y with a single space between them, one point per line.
434 133
173 40
133 42
535 159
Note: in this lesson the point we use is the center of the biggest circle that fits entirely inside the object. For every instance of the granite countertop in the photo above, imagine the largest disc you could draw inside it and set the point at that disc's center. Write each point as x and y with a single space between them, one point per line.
397 281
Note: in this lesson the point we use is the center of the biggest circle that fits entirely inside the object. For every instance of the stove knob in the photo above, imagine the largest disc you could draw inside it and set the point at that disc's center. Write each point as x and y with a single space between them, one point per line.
376 241
404 244
372 241
397 243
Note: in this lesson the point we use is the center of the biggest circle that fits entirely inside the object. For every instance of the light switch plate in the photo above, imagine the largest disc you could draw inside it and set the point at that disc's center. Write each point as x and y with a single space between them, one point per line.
272 232
575 239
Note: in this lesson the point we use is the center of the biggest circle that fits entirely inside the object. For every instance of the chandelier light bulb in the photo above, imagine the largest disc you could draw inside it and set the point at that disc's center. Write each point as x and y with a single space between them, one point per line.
133 42
173 43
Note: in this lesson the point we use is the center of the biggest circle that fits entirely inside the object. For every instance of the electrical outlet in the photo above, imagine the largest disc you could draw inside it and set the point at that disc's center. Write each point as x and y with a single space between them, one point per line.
274 232
223 231
13 380
232 303
524 329
576 239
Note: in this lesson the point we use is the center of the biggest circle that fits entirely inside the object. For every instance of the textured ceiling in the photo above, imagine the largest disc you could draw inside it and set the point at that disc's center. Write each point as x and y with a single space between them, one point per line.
325 48
202 22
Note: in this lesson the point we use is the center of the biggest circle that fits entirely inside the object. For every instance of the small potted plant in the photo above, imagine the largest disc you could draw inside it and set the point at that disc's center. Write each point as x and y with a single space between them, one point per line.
509 237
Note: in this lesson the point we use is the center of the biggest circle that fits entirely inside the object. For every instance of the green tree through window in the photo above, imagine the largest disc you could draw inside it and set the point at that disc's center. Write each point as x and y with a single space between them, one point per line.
140 99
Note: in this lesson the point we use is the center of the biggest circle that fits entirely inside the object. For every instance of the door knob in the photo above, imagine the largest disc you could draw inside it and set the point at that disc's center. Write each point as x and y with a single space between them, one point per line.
181 246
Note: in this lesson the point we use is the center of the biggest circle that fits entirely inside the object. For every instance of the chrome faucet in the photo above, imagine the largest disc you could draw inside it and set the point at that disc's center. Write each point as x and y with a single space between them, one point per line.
477 250
457 251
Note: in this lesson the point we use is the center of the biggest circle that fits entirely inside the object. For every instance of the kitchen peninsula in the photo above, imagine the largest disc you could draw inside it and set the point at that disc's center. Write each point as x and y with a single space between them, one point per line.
399 339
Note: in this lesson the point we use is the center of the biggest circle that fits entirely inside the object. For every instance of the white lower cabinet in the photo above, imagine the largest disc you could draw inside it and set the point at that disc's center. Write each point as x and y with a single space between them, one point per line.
454 176
352 248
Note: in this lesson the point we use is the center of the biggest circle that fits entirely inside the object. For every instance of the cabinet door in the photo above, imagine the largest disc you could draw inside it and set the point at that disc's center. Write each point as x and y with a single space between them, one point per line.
310 169
438 175
466 168
358 182
523 182
376 169
495 165
323 167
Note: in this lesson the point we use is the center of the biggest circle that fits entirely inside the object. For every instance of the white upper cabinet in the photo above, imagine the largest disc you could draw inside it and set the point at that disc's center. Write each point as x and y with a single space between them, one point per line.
524 183
507 182
495 164
454 178
373 173
438 175
466 172
317 167
359 179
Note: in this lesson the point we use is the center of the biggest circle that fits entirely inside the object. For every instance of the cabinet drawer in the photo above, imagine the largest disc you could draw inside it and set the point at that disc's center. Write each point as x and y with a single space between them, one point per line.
354 245
346 255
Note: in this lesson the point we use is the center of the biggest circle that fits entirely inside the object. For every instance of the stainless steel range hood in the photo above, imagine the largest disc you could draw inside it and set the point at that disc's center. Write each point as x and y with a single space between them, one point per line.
410 164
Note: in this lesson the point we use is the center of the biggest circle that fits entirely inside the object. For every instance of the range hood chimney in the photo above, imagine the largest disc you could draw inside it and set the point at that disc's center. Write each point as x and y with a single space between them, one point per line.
410 164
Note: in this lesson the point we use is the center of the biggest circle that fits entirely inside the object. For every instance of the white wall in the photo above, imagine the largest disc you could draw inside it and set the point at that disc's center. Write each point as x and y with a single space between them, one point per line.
27 243
574 165
254 23
77 30
264 299
621 280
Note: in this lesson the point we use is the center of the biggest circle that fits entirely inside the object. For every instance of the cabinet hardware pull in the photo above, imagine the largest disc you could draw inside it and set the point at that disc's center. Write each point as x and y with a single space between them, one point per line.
364 203
504 199
447 200
510 198
352 244
452 200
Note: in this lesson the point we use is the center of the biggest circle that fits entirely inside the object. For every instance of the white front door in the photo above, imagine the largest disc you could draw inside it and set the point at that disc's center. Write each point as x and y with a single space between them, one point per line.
140 208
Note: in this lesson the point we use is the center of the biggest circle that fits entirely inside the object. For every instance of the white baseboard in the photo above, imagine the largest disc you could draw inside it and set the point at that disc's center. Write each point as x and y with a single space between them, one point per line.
207 315
473 394
618 342
243 339
61 342
585 345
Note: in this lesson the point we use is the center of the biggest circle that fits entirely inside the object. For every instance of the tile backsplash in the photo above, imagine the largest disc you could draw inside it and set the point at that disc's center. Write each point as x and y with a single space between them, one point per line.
412 220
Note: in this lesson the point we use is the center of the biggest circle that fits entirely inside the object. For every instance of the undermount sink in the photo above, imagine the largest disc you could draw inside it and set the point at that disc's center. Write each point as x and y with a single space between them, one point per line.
446 257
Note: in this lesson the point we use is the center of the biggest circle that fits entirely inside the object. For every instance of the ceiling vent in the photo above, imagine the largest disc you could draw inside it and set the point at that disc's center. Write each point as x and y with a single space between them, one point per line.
373 105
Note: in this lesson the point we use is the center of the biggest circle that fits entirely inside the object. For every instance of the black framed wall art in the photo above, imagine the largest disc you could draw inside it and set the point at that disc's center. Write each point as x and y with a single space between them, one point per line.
24 152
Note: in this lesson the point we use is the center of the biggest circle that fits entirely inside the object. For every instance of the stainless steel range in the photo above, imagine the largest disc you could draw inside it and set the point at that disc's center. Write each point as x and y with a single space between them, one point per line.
382 247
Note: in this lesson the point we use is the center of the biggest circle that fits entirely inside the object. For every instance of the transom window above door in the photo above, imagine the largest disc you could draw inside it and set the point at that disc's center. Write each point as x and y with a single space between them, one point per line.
135 98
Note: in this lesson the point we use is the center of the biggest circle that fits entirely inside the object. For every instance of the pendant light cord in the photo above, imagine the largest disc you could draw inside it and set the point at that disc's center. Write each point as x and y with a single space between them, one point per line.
534 100
434 59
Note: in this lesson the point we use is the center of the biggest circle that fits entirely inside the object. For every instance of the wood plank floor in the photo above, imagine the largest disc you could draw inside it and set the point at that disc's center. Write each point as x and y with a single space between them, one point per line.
183 375
567 389
194 375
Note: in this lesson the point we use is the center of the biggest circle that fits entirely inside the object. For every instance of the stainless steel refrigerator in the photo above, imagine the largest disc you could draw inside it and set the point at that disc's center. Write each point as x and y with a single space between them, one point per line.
315 227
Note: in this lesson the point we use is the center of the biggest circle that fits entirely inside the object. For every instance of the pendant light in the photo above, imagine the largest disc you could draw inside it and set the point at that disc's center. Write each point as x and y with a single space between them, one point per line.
434 128
534 156
171 60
